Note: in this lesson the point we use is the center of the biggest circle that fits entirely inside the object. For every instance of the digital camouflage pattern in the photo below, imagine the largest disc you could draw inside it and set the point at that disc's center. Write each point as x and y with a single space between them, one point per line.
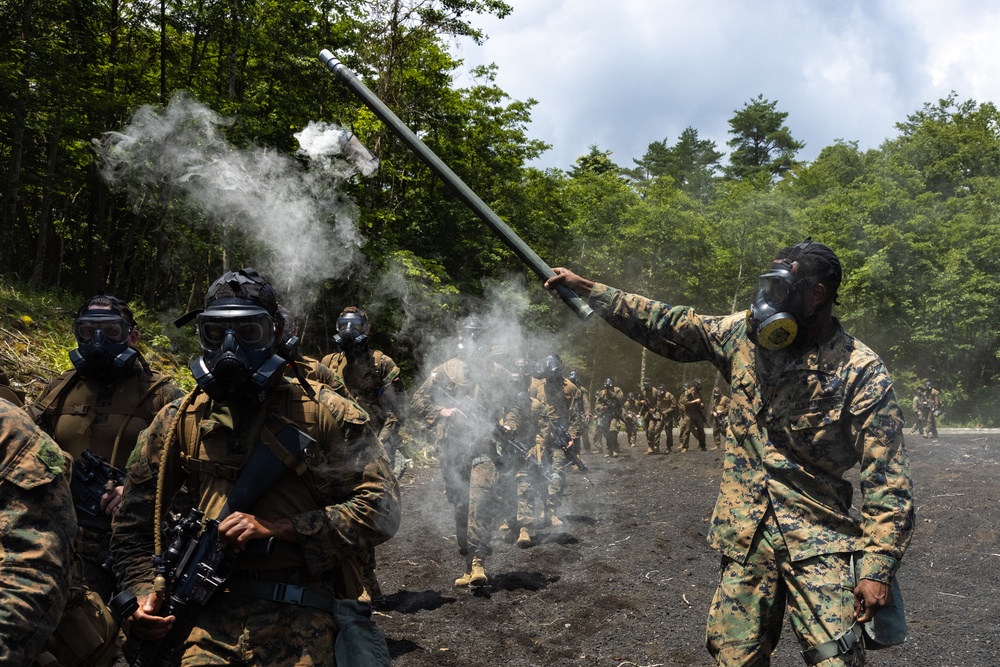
37 525
374 381
345 503
564 400
694 417
821 412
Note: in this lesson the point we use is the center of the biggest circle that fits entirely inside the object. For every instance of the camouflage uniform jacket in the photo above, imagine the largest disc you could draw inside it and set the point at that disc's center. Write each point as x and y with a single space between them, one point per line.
608 403
668 405
373 379
565 399
527 420
37 525
315 370
797 423
721 407
345 503
693 405
650 400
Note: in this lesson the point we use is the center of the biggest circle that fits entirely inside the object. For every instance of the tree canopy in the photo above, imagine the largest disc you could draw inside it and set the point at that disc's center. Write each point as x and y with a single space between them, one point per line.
914 221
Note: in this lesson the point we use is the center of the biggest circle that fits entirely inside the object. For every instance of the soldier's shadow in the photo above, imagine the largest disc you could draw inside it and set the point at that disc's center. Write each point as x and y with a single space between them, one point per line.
519 580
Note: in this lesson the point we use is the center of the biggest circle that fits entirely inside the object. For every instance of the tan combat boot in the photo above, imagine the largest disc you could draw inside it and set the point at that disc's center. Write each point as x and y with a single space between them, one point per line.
524 539
478 575
464 580
554 521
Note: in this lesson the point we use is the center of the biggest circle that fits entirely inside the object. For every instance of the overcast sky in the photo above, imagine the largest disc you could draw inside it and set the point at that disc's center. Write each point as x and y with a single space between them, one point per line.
624 73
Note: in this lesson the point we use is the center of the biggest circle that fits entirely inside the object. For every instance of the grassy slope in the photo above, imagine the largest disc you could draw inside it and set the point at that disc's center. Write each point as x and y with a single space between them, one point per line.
36 337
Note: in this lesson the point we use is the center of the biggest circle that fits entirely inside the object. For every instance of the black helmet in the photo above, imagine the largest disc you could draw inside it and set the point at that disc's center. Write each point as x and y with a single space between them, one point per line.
573 377
631 396
238 331
608 383
553 366
928 385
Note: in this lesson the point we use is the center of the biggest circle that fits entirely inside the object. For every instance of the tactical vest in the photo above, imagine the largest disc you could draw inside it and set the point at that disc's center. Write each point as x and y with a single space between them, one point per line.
364 380
69 411
213 457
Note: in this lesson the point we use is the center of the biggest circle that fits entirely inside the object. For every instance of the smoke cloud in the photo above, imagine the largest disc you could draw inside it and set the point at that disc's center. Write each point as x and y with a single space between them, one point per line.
300 227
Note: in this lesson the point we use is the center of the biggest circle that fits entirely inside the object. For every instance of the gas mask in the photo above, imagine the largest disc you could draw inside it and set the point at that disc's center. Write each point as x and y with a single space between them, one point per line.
774 318
239 357
471 339
102 349
552 367
352 332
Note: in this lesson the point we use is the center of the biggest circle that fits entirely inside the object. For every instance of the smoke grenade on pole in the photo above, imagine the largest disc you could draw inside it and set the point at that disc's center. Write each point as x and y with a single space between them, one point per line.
464 192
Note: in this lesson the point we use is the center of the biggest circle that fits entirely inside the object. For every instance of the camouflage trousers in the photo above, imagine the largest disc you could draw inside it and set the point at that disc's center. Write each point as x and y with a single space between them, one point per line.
558 463
719 425
745 619
238 630
486 502
692 426
532 491
653 426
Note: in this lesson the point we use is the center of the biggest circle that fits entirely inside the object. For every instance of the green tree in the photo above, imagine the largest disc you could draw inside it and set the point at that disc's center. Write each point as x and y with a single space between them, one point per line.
761 143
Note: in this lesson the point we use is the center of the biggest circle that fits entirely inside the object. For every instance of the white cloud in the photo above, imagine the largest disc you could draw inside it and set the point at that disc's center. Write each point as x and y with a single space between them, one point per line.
624 74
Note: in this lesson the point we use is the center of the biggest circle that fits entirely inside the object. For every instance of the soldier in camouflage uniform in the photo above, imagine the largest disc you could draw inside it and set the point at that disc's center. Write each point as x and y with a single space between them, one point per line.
720 417
564 398
668 414
920 407
809 403
652 419
584 410
694 416
528 420
326 513
933 410
608 406
460 400
373 379
630 411
102 405
37 528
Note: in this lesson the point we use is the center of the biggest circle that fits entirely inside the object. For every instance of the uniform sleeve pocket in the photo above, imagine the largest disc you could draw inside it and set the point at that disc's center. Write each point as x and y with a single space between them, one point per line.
38 463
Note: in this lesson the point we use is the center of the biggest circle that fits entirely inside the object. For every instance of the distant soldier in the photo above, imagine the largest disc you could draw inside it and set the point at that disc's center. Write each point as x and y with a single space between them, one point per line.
669 411
37 528
652 419
920 407
564 398
459 399
584 410
608 405
300 365
933 410
694 411
528 420
630 411
373 380
720 418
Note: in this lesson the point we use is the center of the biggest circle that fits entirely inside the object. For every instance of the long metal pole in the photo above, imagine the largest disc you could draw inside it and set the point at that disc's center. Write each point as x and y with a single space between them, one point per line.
464 192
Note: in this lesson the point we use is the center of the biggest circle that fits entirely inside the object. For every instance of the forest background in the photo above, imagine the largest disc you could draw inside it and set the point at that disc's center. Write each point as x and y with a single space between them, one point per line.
915 221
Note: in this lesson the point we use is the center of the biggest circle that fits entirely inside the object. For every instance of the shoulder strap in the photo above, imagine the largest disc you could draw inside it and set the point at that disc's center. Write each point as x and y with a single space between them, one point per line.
46 405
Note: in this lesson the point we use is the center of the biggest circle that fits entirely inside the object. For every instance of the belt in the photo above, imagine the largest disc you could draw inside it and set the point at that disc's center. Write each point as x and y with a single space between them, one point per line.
839 645
286 594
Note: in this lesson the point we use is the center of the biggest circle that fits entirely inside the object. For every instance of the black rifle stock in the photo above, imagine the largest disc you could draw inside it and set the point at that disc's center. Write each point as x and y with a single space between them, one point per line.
507 440
564 442
92 477
463 191
195 566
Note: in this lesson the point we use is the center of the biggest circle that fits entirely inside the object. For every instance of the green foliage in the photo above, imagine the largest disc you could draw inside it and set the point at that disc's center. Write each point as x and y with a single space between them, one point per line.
915 221
762 144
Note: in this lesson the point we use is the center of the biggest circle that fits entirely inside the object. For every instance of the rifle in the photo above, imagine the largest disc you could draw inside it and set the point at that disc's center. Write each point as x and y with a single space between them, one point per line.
507 440
562 440
194 565
464 192
93 476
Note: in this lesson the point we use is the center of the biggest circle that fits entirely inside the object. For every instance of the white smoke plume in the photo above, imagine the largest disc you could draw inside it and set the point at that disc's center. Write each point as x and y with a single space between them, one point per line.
300 225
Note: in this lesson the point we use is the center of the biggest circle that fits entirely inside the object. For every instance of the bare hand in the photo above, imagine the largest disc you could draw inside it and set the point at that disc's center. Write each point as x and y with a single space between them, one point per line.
144 622
239 528
581 286
450 412
869 597
112 500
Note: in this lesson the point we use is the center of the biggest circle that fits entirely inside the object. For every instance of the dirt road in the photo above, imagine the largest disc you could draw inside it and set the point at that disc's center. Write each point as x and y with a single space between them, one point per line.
628 579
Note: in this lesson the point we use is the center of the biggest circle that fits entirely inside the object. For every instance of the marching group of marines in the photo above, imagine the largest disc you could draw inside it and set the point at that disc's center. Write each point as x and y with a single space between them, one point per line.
288 546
